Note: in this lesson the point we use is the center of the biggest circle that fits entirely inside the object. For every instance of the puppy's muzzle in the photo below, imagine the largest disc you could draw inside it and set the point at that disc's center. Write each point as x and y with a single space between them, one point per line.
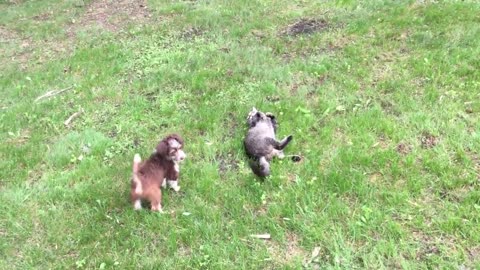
181 155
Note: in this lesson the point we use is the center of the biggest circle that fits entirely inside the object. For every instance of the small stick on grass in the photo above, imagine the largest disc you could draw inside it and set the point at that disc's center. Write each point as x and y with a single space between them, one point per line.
265 236
72 117
52 93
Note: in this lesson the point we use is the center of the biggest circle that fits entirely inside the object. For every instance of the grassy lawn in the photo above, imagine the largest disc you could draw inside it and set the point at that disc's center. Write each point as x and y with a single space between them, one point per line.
382 98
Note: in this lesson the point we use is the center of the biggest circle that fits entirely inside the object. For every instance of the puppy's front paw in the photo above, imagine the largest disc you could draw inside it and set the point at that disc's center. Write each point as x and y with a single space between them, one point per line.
164 183
174 185
157 208
137 205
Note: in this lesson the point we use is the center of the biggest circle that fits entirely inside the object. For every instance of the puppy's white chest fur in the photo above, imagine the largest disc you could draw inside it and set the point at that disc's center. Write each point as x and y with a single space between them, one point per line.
176 166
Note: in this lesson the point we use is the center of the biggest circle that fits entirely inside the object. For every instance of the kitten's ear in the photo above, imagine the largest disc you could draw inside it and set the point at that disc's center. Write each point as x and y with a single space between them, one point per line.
270 115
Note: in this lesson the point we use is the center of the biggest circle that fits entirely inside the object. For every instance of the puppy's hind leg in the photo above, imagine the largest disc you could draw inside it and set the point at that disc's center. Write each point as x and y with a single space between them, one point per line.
135 198
156 200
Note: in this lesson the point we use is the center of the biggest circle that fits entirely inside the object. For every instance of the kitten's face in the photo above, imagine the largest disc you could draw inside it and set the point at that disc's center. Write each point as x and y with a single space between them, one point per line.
255 116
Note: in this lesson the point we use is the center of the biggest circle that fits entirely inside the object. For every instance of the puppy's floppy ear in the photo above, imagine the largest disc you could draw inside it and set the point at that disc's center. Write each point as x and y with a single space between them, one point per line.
162 148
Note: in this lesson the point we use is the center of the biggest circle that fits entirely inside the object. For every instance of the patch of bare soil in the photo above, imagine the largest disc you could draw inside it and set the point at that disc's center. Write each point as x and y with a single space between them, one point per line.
286 254
305 26
191 33
475 158
375 178
15 47
7 35
302 80
227 163
14 2
26 51
388 106
428 140
111 15
474 253
20 138
404 149
428 245
273 99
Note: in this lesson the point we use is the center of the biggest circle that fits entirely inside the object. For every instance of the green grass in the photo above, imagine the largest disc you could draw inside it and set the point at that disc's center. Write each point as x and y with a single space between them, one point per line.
383 104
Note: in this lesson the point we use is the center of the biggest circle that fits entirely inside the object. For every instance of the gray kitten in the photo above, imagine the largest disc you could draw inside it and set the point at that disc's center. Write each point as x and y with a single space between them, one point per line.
260 143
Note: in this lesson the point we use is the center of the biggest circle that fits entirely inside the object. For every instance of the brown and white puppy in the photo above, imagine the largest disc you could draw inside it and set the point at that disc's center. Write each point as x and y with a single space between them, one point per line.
160 169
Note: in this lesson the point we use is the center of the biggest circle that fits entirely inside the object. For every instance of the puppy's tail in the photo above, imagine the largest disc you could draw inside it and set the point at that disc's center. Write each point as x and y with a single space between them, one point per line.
136 183
136 162
261 167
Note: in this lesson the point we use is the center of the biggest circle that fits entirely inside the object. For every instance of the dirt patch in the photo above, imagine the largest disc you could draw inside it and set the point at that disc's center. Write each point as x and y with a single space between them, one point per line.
306 85
191 33
43 17
375 178
456 195
7 35
475 158
26 52
428 245
474 253
428 140
184 251
14 2
433 246
285 254
305 26
387 106
111 15
19 139
404 149
273 99
383 142
230 124
15 47
227 163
